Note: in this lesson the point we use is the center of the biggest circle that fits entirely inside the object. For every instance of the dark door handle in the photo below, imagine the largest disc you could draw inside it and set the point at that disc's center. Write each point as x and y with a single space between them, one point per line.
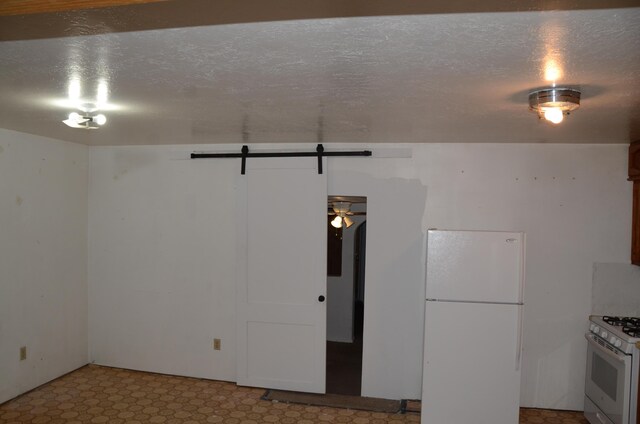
321 298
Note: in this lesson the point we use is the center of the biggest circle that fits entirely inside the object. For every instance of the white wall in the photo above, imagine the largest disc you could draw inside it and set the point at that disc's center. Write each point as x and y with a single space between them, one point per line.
574 203
43 260
162 255
340 290
616 290
162 252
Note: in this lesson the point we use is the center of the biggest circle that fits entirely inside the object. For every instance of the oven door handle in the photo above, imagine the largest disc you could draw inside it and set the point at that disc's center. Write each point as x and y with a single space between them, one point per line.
609 353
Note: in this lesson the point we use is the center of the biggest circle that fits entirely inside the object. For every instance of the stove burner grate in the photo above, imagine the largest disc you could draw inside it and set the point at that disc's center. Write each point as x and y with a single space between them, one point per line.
622 321
631 331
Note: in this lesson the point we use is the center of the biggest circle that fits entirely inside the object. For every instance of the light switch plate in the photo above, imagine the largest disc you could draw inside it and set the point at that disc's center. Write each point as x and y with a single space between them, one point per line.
23 353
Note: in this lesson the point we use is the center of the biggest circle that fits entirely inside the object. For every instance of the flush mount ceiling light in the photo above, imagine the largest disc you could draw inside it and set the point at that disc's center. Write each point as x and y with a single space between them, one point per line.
553 104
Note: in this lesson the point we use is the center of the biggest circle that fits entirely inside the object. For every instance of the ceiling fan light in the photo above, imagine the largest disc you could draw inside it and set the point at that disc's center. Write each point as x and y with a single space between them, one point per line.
76 120
100 119
348 221
337 222
71 123
86 121
341 207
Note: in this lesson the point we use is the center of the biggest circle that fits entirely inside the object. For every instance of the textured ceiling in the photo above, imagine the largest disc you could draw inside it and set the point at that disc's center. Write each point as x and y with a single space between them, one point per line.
426 78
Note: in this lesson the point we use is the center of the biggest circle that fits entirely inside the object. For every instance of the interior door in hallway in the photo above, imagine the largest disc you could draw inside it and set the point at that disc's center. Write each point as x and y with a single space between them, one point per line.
281 313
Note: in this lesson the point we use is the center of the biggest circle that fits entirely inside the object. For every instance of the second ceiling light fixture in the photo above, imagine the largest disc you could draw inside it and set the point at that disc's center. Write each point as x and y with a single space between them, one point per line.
342 211
553 104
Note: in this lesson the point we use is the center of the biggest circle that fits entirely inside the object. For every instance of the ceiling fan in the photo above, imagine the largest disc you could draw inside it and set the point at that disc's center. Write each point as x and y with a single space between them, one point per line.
342 212
88 120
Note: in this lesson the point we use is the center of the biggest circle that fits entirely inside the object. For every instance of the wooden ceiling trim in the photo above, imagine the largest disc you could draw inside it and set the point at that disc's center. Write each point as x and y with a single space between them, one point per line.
28 7
36 19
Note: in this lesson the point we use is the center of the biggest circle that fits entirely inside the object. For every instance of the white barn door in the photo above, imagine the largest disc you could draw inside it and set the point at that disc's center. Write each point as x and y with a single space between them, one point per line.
281 313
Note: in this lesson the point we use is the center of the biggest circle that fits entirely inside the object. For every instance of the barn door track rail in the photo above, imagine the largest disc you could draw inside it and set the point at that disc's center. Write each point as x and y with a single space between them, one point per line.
244 154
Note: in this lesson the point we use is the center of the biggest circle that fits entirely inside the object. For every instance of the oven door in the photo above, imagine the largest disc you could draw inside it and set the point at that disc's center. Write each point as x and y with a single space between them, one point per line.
607 383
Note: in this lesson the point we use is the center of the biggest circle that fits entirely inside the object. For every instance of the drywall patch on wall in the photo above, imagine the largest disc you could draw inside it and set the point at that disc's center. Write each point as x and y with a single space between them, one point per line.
43 260
574 204
178 242
394 276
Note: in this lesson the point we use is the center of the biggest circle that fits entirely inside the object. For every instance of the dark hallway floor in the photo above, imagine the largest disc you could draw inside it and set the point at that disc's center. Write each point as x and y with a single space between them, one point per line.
344 368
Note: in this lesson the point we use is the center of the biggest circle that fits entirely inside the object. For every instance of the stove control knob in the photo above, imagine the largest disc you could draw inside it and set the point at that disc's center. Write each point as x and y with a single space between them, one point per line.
596 329
613 339
618 343
592 327
604 334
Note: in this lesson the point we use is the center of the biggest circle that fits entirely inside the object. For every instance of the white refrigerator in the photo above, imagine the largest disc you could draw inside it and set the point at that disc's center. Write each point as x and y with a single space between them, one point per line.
473 327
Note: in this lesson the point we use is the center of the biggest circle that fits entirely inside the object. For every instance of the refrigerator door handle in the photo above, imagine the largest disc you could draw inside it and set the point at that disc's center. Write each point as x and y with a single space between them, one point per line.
483 302
521 311
519 343
522 268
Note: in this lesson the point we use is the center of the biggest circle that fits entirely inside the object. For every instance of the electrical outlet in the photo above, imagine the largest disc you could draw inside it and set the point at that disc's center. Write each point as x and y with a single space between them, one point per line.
216 344
23 353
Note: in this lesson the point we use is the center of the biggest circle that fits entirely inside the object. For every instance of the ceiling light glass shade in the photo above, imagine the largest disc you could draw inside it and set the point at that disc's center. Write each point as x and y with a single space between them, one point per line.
341 207
348 221
553 103
88 107
337 222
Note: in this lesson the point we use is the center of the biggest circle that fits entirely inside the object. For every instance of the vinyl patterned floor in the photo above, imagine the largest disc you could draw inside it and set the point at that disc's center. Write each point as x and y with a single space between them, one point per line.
95 394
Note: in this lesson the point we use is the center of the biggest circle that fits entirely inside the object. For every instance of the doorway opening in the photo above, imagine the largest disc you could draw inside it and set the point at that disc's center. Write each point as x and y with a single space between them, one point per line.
346 247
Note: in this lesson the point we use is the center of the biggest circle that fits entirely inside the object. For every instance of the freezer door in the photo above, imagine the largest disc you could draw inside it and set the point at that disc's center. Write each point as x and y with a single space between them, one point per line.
476 266
471 364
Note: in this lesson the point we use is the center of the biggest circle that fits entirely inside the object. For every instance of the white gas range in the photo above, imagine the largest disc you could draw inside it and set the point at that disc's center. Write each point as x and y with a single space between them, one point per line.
613 364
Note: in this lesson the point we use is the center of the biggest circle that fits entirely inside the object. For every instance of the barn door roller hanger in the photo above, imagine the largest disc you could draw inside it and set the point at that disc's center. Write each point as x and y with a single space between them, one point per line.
244 154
